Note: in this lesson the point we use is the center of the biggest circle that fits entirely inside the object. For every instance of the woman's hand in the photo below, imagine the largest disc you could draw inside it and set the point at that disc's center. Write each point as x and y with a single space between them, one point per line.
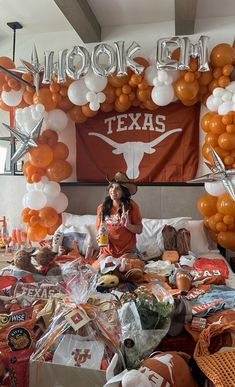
125 219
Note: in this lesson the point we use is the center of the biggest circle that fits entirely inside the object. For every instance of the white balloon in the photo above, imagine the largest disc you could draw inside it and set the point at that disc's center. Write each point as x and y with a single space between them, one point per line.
38 186
29 187
77 92
39 107
101 97
213 103
25 200
231 87
150 73
91 96
225 107
94 106
215 188
233 98
227 96
12 98
162 95
156 82
162 76
57 120
36 200
218 92
52 188
95 82
61 203
44 179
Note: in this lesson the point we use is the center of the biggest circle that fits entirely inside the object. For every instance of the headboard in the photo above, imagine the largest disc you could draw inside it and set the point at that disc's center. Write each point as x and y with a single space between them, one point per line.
154 201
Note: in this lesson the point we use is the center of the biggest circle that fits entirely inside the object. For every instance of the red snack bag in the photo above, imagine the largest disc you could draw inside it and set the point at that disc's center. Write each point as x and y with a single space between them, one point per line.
16 344
212 264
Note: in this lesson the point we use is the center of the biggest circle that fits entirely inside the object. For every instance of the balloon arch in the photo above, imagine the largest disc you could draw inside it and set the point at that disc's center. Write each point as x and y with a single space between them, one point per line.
81 99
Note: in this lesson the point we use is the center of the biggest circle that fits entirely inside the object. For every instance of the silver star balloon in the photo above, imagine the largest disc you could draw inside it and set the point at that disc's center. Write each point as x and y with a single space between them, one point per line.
218 173
27 140
34 68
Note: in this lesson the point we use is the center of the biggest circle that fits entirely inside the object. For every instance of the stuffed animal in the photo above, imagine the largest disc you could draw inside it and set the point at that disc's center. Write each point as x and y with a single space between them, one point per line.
45 259
161 370
22 260
107 282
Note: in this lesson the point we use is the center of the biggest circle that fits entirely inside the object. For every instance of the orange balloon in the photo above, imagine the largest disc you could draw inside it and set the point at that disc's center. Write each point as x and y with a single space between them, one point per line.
44 97
206 152
41 156
142 61
227 119
227 239
212 139
48 217
227 70
51 230
216 125
228 219
206 205
223 81
25 216
25 166
222 54
60 151
88 112
205 78
36 233
117 81
212 222
106 107
64 104
184 90
121 107
150 105
189 77
51 137
227 141
77 115
58 170
7 62
226 205
109 91
220 226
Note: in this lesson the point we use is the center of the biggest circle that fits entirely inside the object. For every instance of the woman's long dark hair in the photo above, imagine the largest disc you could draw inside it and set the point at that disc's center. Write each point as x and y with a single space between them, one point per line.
108 203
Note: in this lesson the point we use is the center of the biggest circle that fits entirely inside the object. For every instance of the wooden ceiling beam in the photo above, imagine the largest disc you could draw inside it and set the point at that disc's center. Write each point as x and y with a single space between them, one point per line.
81 18
185 14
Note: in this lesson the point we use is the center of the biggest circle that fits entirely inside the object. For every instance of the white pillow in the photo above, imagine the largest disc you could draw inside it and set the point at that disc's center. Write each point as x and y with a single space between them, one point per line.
151 240
82 220
200 241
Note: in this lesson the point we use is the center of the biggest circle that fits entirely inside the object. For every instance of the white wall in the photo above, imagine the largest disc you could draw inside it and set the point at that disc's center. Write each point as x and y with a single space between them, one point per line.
12 188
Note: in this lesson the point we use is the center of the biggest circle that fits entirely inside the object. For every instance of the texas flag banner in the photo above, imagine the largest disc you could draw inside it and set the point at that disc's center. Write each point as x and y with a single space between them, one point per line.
149 146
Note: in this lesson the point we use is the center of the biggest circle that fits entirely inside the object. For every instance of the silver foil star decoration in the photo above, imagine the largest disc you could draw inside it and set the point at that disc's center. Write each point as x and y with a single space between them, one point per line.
34 68
27 139
218 173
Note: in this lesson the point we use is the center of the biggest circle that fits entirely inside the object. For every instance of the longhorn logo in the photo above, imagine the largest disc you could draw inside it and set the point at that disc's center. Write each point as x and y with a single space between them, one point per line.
133 151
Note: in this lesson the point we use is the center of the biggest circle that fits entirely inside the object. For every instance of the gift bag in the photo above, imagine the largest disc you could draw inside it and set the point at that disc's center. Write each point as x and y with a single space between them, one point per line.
219 365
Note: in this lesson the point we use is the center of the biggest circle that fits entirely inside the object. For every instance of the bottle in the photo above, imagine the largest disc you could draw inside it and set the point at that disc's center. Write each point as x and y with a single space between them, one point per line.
103 239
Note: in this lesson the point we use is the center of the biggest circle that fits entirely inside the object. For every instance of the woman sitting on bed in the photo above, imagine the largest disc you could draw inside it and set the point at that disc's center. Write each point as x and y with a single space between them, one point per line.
122 217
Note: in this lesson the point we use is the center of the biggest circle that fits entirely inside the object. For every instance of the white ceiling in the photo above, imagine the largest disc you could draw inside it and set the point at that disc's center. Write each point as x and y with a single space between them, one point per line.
45 16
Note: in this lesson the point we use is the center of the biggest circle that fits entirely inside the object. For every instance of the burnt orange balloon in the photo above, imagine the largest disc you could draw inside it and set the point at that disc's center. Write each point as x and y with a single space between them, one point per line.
217 72
109 91
227 141
212 139
44 97
58 170
205 78
206 205
223 81
3 106
206 152
227 119
150 105
184 90
121 107
189 77
222 54
51 137
25 216
142 61
226 205
60 151
220 226
227 70
64 104
226 239
216 125
41 156
88 112
106 107
228 219
25 166
77 115
48 217
36 233
116 81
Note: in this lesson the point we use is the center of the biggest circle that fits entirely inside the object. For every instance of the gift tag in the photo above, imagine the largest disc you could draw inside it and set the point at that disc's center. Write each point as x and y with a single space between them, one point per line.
77 318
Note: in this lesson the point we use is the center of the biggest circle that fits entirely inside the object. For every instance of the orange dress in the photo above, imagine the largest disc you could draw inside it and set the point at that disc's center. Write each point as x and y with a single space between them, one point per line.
121 240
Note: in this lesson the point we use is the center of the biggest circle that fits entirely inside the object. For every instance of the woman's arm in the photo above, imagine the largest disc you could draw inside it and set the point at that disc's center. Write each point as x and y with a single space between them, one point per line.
135 228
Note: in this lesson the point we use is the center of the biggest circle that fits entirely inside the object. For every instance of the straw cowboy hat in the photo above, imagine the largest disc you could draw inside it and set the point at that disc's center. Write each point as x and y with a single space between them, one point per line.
122 179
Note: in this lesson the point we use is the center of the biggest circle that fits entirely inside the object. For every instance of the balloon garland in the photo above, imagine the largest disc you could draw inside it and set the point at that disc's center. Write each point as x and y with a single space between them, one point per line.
83 98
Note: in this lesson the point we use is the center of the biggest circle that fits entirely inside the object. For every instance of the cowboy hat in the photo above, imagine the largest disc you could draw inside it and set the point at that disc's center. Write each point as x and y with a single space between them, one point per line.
122 179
